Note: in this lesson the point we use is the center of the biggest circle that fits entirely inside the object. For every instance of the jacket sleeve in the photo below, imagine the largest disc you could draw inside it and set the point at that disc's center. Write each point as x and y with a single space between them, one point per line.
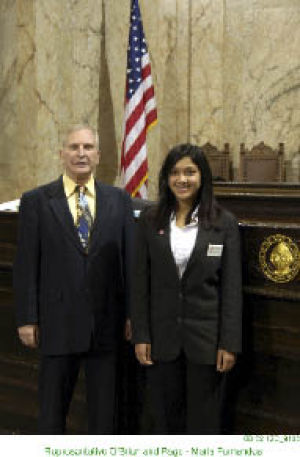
231 289
140 304
26 264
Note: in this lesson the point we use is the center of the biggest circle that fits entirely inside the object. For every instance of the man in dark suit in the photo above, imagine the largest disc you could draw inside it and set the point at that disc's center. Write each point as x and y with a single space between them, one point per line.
71 280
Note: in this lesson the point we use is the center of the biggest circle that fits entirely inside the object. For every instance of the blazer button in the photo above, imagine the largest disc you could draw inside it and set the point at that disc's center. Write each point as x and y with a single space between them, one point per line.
180 295
179 320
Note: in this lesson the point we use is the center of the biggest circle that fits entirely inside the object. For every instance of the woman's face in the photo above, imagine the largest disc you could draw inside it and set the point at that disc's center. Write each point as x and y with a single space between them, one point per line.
185 180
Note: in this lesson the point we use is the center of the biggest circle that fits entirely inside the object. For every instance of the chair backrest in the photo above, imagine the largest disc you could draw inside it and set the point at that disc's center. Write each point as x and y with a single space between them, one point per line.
292 168
261 163
219 161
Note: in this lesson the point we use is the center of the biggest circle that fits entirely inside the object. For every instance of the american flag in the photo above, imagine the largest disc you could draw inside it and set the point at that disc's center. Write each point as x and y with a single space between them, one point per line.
140 108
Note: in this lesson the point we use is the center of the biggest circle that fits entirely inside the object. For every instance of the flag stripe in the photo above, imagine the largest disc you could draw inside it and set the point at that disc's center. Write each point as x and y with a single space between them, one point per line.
134 100
134 116
148 95
135 132
139 147
140 109
151 119
135 179
146 71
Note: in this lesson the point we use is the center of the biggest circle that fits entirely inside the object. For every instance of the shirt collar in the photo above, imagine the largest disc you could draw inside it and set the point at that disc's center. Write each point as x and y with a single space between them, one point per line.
70 185
194 217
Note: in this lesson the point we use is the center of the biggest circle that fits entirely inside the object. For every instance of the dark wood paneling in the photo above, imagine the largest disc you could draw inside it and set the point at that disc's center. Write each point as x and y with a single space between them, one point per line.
261 202
268 399
19 393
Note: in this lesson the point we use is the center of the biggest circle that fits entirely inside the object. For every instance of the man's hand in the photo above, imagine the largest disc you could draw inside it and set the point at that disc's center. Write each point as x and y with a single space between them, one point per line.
225 360
29 335
143 353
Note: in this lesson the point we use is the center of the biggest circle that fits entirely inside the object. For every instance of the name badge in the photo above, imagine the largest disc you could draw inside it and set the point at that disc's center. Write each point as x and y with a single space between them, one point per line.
214 250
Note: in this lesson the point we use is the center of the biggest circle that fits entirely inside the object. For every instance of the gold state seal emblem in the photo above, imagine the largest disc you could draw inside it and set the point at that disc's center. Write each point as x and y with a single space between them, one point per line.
279 258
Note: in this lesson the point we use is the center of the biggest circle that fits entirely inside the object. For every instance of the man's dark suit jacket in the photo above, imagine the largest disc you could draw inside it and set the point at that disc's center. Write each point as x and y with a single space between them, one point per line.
198 313
74 297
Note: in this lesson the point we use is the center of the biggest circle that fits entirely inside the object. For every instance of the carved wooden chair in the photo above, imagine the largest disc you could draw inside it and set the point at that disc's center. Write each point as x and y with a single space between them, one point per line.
261 163
292 168
219 161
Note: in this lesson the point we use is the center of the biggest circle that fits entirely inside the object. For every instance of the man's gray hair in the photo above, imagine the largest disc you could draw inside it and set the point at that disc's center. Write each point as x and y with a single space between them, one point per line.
75 128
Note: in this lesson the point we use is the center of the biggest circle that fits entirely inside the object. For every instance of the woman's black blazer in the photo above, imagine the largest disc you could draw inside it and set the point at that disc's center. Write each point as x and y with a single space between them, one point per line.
198 313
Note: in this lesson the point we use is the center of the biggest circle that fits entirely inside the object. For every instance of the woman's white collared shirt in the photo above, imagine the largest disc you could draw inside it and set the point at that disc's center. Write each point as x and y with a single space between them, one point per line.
182 240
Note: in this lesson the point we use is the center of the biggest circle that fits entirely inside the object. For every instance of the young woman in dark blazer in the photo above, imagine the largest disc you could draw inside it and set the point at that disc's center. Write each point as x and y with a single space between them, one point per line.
186 307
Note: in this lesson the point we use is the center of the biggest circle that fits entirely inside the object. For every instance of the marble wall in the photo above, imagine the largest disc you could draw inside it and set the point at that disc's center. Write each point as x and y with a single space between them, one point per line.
224 71
261 73
50 65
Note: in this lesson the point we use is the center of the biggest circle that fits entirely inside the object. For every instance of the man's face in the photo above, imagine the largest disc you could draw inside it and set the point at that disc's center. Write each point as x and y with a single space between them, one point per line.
80 155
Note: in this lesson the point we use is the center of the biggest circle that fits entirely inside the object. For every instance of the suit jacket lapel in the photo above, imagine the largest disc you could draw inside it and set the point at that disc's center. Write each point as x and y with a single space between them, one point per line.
60 207
166 251
101 214
200 248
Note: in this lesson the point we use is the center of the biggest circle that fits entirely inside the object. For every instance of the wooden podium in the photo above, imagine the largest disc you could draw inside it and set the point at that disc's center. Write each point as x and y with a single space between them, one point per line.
264 389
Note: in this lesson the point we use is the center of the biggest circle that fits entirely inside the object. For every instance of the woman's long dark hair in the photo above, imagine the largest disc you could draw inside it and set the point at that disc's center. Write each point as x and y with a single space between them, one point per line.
208 207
